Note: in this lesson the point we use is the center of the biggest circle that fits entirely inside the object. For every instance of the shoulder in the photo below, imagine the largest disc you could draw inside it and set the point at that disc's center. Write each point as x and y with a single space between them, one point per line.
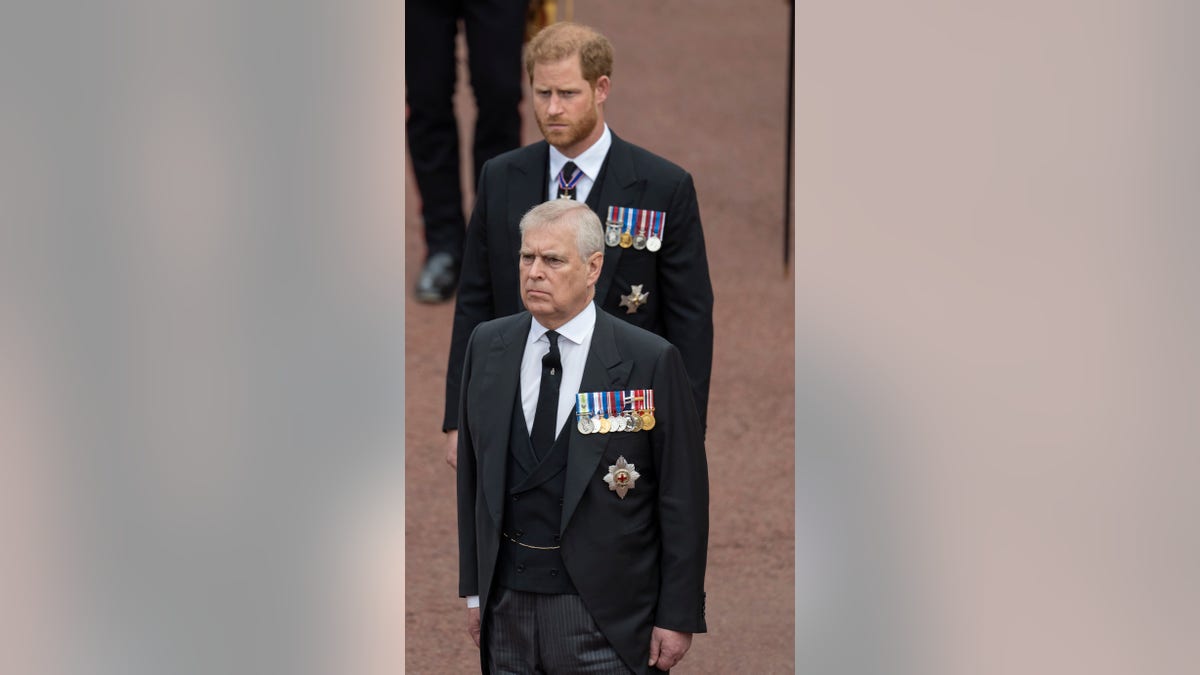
506 326
631 338
645 161
527 156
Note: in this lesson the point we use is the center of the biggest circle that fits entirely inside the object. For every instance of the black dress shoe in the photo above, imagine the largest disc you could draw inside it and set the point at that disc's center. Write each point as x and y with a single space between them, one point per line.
439 278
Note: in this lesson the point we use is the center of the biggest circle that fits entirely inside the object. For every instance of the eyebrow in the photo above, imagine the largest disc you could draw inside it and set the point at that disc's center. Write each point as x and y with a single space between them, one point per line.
543 254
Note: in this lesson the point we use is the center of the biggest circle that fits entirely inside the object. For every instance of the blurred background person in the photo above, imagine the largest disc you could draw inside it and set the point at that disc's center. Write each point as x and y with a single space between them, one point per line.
495 31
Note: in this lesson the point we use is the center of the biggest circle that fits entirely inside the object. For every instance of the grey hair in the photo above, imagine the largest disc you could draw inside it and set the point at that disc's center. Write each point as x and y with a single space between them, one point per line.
589 232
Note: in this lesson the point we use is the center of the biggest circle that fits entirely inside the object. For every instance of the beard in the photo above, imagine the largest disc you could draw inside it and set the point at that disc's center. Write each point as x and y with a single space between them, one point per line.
574 132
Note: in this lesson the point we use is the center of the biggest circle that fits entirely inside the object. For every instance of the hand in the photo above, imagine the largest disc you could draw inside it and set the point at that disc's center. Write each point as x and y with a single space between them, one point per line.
473 624
452 448
667 647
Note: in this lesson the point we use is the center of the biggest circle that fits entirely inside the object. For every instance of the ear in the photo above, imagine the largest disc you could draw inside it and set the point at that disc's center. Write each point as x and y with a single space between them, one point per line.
601 89
594 263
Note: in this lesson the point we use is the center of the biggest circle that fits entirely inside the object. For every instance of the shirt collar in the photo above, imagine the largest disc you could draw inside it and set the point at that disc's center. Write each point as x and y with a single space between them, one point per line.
576 330
589 160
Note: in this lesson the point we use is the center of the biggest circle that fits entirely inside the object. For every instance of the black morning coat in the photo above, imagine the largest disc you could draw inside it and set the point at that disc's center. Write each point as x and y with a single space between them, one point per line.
636 562
680 298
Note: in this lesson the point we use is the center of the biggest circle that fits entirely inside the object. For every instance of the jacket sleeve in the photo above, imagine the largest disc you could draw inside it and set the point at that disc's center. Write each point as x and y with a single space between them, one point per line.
474 303
682 499
468 559
684 280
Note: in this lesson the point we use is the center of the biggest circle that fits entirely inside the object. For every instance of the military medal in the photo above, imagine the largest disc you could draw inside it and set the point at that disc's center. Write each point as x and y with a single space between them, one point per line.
633 421
639 225
621 477
628 220
648 412
595 412
634 299
616 405
612 230
654 241
605 425
639 237
585 422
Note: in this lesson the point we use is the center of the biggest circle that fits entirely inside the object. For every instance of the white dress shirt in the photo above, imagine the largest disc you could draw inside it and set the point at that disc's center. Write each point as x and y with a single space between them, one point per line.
575 337
589 161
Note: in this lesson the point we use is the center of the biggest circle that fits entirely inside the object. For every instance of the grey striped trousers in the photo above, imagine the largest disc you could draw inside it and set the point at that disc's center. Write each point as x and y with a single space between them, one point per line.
535 633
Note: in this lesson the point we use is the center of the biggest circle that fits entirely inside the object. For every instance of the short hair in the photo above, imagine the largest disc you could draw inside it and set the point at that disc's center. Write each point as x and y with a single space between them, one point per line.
560 40
589 233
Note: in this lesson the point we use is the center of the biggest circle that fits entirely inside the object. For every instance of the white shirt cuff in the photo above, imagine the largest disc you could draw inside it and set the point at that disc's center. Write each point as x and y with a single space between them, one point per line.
472 601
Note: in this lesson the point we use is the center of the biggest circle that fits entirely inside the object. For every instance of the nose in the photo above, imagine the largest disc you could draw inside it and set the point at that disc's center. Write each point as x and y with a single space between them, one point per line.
555 106
536 269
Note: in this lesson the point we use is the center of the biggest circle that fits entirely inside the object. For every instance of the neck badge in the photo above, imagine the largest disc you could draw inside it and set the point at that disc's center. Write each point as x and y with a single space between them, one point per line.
566 186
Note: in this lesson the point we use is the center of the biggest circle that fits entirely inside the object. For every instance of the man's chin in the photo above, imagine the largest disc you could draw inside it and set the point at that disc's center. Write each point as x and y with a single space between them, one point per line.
536 303
559 137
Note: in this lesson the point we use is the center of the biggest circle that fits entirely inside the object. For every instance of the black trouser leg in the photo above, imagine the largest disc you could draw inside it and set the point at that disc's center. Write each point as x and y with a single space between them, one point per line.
430 30
495 36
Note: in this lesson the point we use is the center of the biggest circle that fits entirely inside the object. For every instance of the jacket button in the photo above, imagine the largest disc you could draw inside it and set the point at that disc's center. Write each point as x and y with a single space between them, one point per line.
520 568
518 534
516 497
556 538
560 502
553 573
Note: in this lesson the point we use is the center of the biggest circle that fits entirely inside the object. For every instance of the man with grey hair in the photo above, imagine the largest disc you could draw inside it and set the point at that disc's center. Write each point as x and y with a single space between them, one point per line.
655 270
582 480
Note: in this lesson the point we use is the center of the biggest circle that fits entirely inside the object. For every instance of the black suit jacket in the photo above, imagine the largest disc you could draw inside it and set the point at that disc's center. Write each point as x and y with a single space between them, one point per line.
637 562
679 305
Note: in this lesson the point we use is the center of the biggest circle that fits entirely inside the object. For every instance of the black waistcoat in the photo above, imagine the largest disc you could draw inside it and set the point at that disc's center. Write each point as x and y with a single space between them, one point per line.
533 514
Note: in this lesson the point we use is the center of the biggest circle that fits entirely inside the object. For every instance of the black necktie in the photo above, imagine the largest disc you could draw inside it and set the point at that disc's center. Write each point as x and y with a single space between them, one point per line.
544 420
566 186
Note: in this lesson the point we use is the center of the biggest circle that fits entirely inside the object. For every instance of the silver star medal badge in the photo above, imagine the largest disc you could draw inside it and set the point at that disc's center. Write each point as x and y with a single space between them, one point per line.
635 299
621 477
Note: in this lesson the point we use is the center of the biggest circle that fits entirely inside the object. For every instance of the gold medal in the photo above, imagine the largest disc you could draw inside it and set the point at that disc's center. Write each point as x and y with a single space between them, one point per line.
648 419
626 240
605 425
635 422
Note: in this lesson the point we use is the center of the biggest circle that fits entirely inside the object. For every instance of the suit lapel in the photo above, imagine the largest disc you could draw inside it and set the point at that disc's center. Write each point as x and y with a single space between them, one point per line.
621 187
604 370
528 179
501 374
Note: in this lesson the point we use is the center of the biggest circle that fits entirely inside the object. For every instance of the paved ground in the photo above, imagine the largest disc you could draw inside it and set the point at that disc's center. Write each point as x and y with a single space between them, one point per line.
704 84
